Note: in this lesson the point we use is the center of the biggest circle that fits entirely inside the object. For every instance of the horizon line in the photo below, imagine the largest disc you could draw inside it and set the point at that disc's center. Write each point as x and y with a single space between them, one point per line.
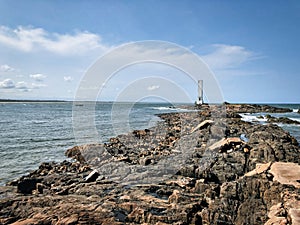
110 101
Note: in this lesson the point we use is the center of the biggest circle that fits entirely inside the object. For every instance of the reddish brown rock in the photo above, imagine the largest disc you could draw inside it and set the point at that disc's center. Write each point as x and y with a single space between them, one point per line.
260 168
295 216
286 173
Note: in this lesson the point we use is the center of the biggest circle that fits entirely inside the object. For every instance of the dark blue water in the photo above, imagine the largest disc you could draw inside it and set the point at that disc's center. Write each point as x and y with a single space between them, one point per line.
32 133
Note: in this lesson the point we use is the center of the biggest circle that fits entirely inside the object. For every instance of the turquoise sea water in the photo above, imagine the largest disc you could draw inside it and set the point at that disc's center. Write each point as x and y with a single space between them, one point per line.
32 133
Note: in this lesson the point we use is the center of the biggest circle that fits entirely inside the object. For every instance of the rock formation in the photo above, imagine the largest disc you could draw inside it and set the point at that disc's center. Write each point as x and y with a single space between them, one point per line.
218 178
272 119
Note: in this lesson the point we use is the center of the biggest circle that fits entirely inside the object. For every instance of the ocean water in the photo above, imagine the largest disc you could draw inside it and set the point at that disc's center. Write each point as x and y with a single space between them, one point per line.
293 129
32 133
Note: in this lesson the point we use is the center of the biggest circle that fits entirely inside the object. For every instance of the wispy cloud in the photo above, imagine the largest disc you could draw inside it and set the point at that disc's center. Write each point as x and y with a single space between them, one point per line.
224 57
153 87
68 78
21 85
37 86
6 68
38 76
30 39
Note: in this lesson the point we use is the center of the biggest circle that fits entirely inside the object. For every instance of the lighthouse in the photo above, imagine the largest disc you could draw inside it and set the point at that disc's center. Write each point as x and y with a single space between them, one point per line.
200 92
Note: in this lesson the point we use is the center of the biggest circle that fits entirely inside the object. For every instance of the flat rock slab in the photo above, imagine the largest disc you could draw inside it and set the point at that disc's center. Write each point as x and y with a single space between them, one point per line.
226 141
202 124
286 173
295 216
260 168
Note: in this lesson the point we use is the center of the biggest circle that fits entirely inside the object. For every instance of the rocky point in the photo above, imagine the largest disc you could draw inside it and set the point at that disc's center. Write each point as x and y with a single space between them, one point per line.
223 171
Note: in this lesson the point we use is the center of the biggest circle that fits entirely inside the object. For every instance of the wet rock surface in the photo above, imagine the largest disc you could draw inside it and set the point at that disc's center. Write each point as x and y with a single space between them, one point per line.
253 108
271 119
231 172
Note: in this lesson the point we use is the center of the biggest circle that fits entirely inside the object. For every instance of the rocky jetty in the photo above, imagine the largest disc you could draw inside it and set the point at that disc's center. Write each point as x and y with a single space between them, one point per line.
201 167
272 119
248 108
253 108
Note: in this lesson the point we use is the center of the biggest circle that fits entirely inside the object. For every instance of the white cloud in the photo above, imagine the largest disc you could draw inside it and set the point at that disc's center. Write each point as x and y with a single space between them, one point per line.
220 57
151 53
153 87
38 76
68 78
29 39
37 86
21 85
228 56
10 84
7 83
6 68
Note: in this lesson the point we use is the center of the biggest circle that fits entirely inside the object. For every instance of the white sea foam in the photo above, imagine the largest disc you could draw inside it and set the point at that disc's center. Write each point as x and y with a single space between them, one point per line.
296 119
252 118
295 110
164 108
39 121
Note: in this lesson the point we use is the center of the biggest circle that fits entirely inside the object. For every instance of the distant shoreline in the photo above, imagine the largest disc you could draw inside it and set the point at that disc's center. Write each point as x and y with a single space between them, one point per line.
21 101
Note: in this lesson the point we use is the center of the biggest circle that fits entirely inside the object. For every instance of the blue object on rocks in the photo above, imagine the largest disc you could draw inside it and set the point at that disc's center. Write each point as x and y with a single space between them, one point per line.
244 138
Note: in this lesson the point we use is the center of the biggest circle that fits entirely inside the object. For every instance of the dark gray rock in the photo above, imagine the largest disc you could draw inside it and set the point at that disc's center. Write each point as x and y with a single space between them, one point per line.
27 185
284 120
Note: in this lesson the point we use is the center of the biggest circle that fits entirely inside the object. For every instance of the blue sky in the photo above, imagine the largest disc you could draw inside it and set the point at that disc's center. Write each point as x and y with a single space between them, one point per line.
251 47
